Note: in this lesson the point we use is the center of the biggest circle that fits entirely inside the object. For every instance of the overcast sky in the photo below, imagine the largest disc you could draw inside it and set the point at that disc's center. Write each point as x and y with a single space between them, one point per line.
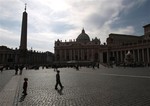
49 20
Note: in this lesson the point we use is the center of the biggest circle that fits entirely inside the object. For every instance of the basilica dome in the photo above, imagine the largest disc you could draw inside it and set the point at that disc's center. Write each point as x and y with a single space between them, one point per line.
83 37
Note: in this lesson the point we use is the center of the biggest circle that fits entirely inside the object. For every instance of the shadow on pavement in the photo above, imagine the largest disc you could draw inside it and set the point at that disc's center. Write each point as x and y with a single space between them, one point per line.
60 91
22 98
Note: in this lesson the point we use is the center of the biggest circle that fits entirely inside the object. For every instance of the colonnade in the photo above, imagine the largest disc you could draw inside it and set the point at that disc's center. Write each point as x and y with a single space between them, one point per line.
6 57
11 57
140 55
76 54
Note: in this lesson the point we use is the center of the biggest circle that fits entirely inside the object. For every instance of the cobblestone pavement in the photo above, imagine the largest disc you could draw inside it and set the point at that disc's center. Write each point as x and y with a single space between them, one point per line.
10 91
87 87
5 76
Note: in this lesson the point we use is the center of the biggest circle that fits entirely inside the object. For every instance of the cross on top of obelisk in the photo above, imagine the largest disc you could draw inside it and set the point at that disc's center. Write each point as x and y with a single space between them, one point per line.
25 6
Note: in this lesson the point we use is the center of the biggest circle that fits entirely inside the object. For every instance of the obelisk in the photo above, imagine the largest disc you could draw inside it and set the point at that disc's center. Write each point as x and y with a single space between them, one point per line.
23 41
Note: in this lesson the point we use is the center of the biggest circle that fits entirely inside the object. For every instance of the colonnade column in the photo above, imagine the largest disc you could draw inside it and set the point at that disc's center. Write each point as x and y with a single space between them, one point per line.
124 56
92 54
78 54
60 55
134 57
87 54
143 55
108 56
75 54
121 56
69 54
2 58
148 59
117 56
138 50
65 55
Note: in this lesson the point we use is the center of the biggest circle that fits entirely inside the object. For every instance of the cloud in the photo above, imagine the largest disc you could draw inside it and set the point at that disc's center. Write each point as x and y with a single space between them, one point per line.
9 9
61 27
8 38
127 30
128 4
50 20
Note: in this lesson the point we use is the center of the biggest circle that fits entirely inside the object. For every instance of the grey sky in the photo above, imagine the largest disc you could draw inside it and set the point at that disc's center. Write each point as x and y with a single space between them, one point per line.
49 20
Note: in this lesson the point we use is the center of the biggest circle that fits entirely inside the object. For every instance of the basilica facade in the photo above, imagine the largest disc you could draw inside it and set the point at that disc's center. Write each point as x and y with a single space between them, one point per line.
83 49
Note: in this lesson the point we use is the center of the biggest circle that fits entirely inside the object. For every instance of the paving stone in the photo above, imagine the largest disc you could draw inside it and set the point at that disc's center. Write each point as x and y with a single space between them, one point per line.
8 94
5 77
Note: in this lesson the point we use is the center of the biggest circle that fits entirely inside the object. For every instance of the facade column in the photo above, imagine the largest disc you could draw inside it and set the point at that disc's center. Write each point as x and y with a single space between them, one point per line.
92 54
81 54
70 54
101 57
60 55
121 56
108 56
148 55
84 54
6 57
78 54
74 54
134 55
98 56
88 54
145 56
113 54
143 60
138 50
2 57
65 55
117 56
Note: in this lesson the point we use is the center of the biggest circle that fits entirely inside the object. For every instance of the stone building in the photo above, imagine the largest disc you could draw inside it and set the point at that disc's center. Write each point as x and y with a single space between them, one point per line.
10 57
7 56
113 51
81 50
118 46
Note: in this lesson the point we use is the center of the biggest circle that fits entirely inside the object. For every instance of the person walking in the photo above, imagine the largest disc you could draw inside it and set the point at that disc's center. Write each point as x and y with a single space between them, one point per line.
16 69
21 68
58 82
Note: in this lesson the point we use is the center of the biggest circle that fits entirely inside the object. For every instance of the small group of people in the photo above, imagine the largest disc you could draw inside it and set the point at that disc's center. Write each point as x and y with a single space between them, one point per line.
17 68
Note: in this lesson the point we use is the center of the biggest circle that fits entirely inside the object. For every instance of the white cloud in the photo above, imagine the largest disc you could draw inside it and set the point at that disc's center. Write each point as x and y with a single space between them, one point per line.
49 20
9 38
127 30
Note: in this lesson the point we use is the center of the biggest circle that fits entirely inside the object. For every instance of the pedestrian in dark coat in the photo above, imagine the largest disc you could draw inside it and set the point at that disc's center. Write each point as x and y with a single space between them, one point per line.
21 68
58 82
25 85
16 69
